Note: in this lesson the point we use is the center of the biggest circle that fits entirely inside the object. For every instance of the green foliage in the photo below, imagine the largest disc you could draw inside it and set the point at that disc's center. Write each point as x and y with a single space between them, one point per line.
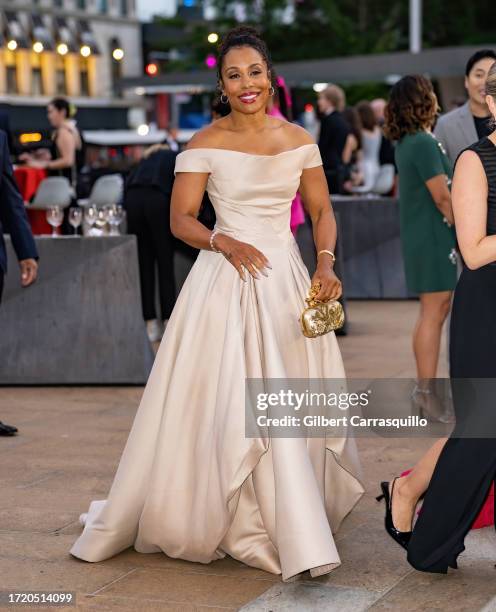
365 91
458 22
337 28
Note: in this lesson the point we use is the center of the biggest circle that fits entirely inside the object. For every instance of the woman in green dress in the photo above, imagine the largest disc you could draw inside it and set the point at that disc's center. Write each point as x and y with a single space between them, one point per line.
426 220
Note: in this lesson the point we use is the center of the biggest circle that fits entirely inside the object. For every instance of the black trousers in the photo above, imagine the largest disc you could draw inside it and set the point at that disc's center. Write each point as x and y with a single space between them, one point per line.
148 211
336 178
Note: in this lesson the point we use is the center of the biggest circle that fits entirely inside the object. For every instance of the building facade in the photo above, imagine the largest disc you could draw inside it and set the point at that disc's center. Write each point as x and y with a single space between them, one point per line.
79 49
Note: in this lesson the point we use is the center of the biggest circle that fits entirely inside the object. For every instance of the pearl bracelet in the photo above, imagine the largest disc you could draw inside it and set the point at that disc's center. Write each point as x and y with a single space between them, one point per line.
212 236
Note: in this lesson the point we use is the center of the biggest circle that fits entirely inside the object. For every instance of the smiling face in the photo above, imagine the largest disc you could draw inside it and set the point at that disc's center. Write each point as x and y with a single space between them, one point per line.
475 82
245 80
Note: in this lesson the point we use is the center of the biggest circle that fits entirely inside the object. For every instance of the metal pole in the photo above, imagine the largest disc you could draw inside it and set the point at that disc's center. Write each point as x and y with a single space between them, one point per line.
174 112
415 26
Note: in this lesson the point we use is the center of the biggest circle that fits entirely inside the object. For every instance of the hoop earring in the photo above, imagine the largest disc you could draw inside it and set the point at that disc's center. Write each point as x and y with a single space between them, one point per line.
222 99
271 93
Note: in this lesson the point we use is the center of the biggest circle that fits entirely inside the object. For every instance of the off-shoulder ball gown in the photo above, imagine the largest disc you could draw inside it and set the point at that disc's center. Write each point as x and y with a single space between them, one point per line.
189 482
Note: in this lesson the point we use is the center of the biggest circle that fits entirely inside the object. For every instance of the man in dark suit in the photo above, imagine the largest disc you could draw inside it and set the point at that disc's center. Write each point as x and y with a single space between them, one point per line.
13 219
334 131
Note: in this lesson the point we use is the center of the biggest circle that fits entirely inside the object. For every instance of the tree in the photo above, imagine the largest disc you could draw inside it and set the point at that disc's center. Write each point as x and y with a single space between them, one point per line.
336 28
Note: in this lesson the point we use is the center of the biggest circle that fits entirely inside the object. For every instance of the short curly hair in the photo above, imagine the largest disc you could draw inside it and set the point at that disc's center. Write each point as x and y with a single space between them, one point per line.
412 107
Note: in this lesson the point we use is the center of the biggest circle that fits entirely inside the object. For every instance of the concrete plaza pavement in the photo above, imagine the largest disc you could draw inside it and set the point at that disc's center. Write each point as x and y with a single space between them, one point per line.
66 455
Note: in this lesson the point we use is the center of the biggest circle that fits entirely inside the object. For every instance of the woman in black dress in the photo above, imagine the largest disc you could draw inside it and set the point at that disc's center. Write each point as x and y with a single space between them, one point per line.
466 467
66 155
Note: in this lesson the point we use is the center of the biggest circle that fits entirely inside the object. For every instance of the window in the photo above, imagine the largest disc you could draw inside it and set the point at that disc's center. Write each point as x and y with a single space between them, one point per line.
115 64
60 77
103 6
11 80
81 5
11 72
83 75
36 76
124 8
58 3
36 82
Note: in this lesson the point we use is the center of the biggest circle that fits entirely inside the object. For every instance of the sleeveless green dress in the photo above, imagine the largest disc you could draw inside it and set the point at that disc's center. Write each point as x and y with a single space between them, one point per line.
428 243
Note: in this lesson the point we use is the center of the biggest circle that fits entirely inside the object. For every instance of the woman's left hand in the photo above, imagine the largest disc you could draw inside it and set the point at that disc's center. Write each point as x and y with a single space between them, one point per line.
330 285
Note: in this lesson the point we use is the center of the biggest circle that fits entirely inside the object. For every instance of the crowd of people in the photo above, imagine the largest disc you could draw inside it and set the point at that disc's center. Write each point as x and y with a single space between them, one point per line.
274 503
356 155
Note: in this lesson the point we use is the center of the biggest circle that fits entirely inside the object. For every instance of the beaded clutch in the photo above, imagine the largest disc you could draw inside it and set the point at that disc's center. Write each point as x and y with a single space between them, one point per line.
319 318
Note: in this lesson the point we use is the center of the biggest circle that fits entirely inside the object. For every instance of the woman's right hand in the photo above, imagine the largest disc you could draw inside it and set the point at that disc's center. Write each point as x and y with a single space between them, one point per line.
242 256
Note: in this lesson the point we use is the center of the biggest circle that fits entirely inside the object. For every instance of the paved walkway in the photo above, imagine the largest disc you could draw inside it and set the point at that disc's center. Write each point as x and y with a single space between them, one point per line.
66 455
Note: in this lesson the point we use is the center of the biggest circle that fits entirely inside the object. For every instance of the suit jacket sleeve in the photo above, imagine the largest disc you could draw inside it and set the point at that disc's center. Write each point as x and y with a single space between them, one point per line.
13 215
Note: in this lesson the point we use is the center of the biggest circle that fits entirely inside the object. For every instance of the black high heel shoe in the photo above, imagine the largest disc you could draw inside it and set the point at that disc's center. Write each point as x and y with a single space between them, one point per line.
400 537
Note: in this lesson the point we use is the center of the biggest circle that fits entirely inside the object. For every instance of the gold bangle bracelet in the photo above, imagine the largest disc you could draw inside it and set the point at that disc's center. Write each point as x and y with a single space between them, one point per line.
333 257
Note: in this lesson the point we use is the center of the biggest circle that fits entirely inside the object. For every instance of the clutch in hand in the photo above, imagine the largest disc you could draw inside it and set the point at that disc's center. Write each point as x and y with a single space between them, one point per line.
319 318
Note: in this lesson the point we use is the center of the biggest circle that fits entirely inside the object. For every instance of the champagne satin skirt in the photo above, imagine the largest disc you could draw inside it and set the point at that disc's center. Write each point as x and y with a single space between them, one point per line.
189 482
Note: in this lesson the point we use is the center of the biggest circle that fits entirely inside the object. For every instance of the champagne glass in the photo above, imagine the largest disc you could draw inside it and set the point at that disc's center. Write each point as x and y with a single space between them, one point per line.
100 222
90 214
55 216
115 215
75 218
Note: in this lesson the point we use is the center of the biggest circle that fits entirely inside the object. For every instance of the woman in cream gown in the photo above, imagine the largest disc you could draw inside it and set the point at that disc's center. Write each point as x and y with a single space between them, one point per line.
190 483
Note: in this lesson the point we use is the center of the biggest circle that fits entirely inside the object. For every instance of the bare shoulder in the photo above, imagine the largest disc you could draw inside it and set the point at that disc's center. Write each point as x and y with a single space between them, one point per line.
65 133
208 137
469 172
469 162
296 135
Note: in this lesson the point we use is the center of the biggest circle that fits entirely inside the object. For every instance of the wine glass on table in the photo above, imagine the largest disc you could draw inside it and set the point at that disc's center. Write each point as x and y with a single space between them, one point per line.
101 224
55 216
90 215
75 218
114 216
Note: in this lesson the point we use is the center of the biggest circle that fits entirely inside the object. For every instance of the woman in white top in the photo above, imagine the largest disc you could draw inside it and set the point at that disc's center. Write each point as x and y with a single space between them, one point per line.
371 146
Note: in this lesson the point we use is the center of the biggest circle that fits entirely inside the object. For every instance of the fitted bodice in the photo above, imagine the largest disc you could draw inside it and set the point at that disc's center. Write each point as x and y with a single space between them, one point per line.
486 151
251 194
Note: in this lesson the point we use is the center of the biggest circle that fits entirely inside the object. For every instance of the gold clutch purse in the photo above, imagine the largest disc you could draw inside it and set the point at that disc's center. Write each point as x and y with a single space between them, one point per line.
319 318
